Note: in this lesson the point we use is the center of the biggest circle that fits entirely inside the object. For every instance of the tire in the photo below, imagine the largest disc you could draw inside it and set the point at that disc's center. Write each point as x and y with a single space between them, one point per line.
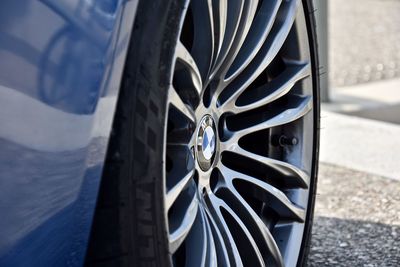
132 225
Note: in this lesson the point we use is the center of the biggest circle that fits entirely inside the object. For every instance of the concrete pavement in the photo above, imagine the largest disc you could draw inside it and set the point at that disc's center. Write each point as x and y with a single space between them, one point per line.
376 100
361 144
364 41
360 128
357 215
357 219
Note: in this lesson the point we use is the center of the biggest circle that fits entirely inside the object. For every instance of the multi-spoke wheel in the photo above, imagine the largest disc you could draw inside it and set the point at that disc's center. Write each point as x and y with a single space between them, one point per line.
217 128
240 134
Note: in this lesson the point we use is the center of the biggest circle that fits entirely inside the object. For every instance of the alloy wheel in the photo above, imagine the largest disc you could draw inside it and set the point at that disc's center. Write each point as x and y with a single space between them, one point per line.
239 134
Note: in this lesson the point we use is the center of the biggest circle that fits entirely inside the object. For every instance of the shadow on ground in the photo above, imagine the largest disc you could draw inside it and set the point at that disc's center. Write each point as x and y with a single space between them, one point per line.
357 219
341 242
389 113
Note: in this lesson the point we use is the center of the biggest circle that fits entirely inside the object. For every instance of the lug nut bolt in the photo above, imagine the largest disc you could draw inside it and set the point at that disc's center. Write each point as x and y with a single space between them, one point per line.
286 141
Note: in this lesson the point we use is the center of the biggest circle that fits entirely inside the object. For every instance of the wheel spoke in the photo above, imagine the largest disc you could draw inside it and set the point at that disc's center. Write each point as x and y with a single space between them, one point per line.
174 192
183 163
269 194
176 101
203 40
291 175
186 58
245 22
256 37
270 48
220 9
211 259
214 205
197 242
234 13
301 107
220 206
253 222
270 92
180 136
177 237
222 253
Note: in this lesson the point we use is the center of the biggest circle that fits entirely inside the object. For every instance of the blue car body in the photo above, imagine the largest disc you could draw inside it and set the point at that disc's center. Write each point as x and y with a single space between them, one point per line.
61 63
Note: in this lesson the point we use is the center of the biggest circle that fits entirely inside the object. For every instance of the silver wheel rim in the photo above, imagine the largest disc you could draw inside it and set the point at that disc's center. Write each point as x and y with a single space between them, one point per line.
239 135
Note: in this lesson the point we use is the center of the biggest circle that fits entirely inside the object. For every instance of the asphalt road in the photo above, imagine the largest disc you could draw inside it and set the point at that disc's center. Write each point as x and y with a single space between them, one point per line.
364 41
357 219
357 216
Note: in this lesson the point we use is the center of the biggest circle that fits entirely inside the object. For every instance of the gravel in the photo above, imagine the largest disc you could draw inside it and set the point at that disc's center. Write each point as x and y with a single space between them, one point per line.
357 219
364 40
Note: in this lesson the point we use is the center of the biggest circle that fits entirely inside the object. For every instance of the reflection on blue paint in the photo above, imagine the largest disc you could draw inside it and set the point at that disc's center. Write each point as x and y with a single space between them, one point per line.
49 209
60 68
64 47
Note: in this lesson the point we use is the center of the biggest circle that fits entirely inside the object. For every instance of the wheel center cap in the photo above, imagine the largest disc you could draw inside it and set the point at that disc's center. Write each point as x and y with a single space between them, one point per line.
206 142
208 145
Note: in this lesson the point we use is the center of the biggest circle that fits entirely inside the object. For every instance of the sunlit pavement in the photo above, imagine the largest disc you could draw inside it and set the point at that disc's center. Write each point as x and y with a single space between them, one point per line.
357 220
364 40
357 214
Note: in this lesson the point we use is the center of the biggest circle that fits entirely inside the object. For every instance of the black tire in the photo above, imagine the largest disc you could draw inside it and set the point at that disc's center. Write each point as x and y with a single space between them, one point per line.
129 222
